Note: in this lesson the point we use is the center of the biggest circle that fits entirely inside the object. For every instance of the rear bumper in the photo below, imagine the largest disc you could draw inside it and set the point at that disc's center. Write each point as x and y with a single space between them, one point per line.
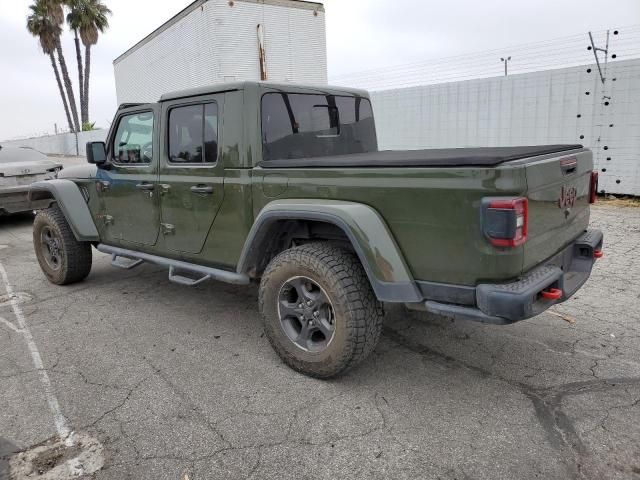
507 303
15 199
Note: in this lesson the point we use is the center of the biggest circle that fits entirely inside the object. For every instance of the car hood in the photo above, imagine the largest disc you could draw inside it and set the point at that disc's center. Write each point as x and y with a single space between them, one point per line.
24 161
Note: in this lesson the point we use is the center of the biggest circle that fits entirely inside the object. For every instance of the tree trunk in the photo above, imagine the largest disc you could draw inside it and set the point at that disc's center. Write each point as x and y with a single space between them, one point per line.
83 114
69 87
62 94
87 73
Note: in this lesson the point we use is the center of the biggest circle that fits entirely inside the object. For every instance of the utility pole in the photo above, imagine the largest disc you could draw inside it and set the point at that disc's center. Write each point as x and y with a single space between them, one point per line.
505 60
604 50
602 112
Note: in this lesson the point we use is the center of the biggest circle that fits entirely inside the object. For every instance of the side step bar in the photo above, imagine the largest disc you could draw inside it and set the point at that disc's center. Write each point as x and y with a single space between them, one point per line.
203 272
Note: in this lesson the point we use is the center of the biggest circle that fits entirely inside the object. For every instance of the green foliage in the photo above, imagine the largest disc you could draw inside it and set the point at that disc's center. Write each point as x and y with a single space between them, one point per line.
42 23
88 126
89 17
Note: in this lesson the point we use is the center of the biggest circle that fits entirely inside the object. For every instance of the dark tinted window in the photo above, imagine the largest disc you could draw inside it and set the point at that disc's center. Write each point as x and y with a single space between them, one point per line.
133 142
211 132
303 126
193 134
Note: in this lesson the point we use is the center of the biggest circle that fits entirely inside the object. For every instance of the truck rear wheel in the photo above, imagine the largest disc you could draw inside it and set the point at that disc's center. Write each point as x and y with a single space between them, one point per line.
318 309
62 258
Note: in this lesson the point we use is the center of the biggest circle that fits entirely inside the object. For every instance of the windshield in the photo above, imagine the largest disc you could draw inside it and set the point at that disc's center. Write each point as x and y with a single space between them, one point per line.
307 125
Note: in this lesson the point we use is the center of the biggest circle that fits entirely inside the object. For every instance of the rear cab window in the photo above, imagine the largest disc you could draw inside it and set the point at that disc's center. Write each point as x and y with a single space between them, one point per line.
193 134
298 126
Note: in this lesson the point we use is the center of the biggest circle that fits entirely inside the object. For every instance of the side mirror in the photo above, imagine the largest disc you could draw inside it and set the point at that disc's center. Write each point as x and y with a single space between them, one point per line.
96 152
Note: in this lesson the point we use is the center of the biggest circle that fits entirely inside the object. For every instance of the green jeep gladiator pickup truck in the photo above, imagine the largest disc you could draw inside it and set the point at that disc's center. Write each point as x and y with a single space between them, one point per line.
284 184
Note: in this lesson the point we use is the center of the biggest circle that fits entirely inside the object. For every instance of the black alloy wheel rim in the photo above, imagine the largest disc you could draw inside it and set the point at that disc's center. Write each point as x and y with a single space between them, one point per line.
51 248
306 314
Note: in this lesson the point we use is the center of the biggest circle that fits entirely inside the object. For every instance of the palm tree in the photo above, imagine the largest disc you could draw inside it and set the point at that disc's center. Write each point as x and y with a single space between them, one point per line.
54 14
93 20
57 14
74 20
40 24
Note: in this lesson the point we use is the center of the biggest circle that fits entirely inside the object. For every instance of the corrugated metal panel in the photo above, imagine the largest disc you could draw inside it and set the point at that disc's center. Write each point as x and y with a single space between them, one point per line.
218 42
532 108
315 6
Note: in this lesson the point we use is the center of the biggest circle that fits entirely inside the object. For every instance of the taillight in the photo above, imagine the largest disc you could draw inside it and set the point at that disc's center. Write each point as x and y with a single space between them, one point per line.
593 187
505 221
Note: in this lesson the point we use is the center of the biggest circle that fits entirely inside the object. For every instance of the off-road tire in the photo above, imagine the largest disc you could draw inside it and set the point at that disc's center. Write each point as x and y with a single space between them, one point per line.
75 256
358 314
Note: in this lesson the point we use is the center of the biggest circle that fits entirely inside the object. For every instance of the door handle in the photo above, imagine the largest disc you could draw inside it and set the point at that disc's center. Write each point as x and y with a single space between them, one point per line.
202 189
145 186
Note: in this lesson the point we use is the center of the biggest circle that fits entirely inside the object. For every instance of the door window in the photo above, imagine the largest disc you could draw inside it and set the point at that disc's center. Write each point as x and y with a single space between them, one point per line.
133 142
193 134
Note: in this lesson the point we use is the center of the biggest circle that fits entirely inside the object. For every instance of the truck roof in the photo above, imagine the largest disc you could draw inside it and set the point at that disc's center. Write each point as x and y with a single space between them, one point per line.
247 85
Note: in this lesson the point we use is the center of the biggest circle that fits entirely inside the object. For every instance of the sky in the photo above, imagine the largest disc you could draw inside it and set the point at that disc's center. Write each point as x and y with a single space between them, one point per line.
361 35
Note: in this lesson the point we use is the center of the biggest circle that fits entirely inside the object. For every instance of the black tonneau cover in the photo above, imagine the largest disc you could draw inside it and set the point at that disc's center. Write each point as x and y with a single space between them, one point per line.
437 157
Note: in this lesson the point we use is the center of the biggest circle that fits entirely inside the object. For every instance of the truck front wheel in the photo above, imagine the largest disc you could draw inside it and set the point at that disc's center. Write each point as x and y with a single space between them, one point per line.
318 309
62 258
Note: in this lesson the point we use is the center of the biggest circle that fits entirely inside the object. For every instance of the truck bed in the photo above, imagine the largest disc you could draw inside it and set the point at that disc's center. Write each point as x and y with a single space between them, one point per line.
430 200
437 157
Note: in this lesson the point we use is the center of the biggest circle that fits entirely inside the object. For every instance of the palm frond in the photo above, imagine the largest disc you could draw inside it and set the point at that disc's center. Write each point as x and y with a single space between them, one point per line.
89 17
41 23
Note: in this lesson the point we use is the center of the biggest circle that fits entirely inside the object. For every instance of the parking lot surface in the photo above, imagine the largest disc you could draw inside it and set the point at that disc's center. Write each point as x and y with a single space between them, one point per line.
159 381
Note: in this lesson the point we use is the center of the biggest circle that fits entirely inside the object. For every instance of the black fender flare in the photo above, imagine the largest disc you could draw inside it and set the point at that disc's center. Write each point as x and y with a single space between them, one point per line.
370 237
71 202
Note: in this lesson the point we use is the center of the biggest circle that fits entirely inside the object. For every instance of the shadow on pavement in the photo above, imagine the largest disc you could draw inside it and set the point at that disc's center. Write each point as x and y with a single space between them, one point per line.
6 450
16 220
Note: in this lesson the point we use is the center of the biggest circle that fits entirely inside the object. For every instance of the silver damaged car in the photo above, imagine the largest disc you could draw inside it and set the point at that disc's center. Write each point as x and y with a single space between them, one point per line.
19 168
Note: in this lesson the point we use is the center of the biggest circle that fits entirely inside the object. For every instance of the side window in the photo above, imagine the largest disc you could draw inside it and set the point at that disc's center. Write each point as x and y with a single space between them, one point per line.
133 142
308 125
193 134
211 133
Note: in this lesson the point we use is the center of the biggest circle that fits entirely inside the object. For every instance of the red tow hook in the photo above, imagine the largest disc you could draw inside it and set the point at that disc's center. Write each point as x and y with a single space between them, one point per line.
598 254
552 294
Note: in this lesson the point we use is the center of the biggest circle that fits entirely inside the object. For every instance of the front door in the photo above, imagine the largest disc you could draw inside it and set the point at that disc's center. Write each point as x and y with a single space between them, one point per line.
129 211
191 175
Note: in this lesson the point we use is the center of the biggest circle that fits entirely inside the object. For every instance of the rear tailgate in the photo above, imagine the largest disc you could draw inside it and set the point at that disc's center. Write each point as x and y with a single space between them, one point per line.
558 192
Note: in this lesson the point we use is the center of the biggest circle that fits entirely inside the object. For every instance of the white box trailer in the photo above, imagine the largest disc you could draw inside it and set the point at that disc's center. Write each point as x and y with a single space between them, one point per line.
213 41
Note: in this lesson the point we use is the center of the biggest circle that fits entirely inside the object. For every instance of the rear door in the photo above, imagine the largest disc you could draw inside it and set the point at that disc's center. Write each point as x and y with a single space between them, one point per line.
558 192
129 212
191 174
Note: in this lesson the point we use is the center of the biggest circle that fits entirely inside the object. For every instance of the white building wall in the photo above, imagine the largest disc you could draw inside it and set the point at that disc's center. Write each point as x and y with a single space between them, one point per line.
217 42
526 109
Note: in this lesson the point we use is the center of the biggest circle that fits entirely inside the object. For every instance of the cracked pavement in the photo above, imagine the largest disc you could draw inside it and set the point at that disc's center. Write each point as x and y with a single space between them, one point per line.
175 380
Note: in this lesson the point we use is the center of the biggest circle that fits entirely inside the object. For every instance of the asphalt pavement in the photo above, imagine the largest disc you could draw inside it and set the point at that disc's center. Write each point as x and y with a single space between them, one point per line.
146 379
